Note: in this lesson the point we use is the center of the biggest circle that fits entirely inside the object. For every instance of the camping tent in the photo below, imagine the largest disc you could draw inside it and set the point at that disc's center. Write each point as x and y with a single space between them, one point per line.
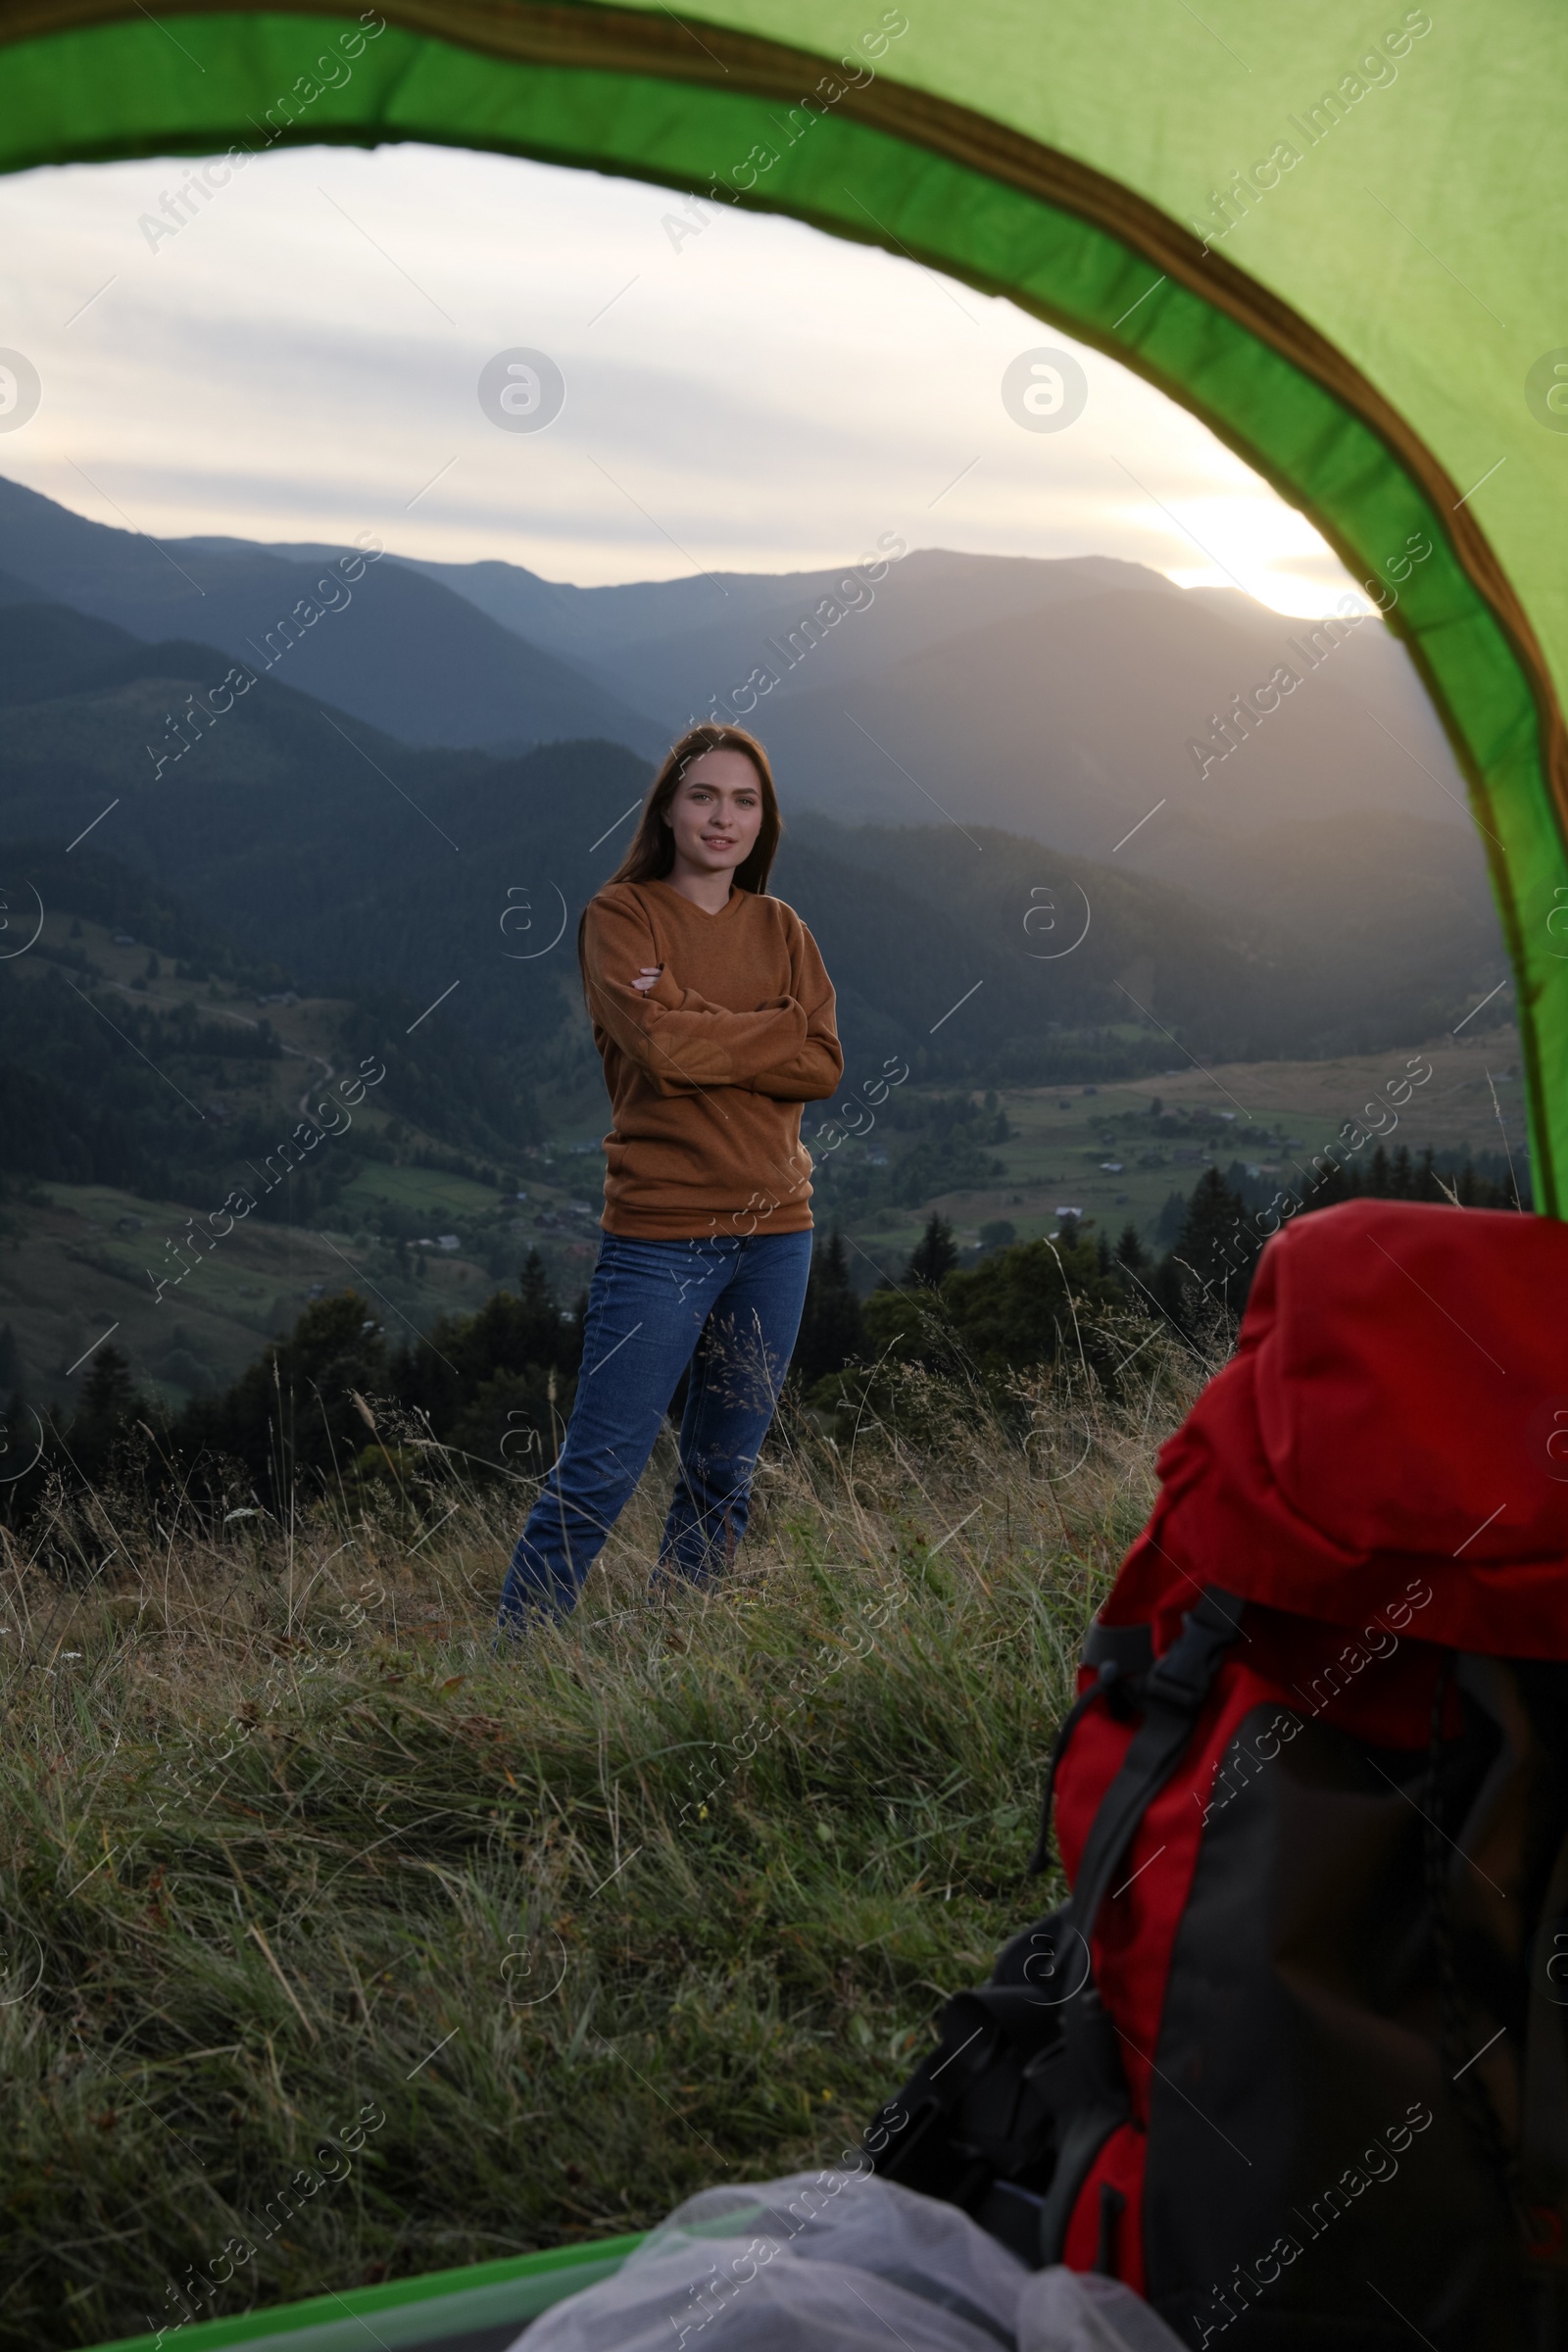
480 2309
1326 231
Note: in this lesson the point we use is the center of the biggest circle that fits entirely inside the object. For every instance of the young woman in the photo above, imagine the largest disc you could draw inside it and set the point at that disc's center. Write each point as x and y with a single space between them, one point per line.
715 1020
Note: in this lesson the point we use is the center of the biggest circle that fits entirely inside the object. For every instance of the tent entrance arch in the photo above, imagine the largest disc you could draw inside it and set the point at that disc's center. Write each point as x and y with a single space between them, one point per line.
846 139
856 138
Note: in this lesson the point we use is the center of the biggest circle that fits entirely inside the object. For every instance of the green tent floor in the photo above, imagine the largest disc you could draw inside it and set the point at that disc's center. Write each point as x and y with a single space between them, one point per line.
478 2309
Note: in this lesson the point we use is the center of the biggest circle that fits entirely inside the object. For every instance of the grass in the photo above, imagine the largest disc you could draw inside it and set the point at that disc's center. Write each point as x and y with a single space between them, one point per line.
426 1190
1054 1154
670 1898
67 1273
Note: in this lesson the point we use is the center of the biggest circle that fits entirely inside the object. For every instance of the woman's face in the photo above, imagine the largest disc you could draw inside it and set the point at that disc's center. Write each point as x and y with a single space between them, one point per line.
715 811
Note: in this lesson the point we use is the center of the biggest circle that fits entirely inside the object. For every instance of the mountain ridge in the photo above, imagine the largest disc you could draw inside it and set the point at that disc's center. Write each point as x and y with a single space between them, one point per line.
1061 698
362 862
392 648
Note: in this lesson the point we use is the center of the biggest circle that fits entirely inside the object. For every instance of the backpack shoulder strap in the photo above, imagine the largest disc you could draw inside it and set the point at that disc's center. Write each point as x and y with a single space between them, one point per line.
1129 1675
1174 1690
1173 1693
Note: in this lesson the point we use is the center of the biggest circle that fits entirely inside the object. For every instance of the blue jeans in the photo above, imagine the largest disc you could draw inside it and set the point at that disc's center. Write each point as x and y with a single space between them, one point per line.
729 1309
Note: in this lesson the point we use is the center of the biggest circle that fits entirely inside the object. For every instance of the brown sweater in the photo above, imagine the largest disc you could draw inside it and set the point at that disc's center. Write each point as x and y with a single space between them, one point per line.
708 1071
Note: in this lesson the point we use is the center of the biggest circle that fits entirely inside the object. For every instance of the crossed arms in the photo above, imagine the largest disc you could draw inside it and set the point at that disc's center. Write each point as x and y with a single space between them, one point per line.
787 1048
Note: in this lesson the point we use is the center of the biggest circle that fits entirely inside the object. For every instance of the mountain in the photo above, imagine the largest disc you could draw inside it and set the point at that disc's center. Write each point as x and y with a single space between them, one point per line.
327 832
677 644
1059 699
413 911
395 649
1288 958
1074 724
364 865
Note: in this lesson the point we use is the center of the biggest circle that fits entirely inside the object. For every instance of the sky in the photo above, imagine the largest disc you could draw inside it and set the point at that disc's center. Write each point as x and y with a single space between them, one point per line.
299 356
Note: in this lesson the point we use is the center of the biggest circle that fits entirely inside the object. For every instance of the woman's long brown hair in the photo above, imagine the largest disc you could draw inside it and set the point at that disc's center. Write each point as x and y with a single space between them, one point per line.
652 855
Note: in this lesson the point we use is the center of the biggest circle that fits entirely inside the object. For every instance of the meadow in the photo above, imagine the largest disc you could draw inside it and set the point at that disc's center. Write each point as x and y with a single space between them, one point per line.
340 1947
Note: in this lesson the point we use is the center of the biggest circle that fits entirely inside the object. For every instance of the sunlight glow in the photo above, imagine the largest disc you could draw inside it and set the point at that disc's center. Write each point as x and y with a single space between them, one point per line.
299 361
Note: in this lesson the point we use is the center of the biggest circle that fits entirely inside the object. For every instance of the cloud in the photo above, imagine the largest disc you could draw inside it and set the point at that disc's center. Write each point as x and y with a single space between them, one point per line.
299 361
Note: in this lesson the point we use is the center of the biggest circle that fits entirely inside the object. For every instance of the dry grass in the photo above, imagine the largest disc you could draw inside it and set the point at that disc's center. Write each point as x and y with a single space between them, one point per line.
669 1896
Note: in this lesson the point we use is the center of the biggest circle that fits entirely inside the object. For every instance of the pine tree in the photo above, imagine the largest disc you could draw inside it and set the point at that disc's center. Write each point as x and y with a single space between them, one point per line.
1339 1182
1163 1288
1218 1244
107 1407
107 1394
934 1255
1130 1250
534 1291
832 1331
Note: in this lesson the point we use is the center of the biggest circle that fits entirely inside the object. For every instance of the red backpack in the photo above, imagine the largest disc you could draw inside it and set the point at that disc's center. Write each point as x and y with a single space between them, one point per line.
1293 2059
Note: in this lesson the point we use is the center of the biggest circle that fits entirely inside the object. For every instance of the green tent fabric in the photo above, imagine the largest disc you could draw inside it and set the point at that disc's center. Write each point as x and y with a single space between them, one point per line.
1326 231
479 2309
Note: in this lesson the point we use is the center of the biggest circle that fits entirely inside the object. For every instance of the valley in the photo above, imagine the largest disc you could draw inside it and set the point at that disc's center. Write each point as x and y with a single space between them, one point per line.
312 935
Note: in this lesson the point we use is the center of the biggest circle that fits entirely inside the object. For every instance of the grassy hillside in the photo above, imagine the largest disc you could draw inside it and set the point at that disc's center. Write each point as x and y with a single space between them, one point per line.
1319 940
140 1088
670 1896
102 1189
1119 1151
